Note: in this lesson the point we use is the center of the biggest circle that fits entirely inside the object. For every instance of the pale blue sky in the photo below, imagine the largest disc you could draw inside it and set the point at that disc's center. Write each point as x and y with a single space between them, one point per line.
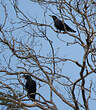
34 11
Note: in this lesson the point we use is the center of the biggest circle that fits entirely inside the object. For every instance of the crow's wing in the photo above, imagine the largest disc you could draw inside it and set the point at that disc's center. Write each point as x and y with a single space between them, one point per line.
59 25
31 86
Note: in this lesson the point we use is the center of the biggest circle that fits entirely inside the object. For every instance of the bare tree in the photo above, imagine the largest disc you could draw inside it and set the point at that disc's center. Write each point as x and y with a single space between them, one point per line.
63 64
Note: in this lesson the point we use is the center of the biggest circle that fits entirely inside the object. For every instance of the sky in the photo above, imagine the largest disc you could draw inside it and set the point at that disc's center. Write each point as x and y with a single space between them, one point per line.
35 11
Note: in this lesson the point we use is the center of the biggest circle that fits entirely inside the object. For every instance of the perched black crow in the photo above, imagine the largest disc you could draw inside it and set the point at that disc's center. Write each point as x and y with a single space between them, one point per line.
60 25
30 87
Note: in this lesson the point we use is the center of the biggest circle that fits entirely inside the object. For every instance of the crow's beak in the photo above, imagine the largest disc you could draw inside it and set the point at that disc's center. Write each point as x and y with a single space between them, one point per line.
50 15
23 76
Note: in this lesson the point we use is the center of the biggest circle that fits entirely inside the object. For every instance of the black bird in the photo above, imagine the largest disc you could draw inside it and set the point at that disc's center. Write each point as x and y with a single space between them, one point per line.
60 25
30 87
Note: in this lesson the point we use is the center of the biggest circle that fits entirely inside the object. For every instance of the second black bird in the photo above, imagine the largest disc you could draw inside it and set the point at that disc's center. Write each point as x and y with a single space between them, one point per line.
61 26
30 87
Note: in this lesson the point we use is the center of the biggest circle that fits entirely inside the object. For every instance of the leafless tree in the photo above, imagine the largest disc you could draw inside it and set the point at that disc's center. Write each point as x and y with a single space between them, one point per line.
63 64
